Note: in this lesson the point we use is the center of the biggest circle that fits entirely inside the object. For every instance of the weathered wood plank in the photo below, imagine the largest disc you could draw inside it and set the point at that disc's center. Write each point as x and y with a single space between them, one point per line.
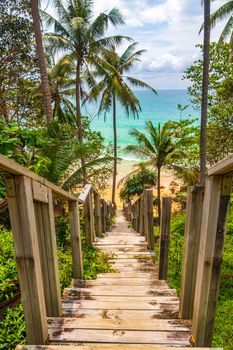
129 324
120 336
76 245
23 223
122 282
120 290
40 192
106 346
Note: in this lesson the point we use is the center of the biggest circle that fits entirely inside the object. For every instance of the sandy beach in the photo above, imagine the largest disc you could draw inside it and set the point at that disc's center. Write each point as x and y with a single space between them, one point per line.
125 167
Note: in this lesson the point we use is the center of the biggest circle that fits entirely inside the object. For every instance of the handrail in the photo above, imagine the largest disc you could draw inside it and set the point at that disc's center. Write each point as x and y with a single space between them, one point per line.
12 168
30 204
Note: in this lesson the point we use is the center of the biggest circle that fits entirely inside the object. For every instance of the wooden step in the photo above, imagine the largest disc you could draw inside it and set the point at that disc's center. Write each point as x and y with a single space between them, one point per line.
120 290
152 282
129 324
107 347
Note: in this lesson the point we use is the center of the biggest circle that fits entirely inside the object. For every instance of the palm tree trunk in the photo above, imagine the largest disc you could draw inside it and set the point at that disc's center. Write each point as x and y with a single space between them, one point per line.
79 119
115 150
159 194
205 82
42 61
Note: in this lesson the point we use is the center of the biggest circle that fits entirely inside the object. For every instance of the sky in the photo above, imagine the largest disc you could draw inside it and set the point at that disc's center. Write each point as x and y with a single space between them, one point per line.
166 29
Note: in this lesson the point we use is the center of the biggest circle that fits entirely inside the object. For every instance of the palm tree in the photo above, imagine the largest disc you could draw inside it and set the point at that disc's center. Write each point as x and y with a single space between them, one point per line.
81 37
205 83
41 60
224 12
113 86
159 148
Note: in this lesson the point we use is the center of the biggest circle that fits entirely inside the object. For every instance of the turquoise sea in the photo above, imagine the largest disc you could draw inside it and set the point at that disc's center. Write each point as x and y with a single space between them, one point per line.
158 108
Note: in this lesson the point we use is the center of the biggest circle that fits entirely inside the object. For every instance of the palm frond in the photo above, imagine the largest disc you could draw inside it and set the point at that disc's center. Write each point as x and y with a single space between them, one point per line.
139 83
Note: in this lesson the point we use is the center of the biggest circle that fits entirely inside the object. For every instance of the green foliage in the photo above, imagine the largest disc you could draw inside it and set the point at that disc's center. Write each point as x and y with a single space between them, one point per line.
135 184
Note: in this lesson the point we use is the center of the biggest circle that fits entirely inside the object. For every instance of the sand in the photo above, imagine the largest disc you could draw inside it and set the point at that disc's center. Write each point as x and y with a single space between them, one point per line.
125 167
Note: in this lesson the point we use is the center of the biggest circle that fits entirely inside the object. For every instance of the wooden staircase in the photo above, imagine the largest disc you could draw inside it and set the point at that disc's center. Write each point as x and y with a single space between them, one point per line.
127 309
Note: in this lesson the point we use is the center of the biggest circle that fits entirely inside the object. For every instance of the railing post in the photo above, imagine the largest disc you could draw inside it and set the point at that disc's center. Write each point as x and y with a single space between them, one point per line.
150 219
191 247
133 217
141 216
98 228
145 221
48 255
215 208
76 245
89 219
23 223
164 237
103 215
137 215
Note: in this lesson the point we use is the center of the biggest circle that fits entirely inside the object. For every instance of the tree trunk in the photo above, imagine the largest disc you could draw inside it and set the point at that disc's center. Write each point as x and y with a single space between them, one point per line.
158 193
205 82
3 108
115 150
78 113
42 61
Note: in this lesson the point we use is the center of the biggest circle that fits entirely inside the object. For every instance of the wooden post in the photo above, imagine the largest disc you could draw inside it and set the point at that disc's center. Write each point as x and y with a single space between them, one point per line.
98 228
76 245
137 203
103 215
164 237
133 216
191 247
89 219
145 221
215 207
48 255
23 224
141 217
150 219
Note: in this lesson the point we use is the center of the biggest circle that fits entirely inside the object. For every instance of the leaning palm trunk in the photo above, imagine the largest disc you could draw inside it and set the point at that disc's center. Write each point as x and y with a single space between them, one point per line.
79 120
205 82
42 61
115 150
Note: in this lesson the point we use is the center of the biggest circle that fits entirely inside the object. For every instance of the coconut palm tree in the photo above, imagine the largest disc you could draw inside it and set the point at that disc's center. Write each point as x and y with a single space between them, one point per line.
114 85
81 37
159 148
41 60
222 13
205 83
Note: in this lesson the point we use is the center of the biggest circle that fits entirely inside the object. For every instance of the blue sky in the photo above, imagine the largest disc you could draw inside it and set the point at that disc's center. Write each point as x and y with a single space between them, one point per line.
167 29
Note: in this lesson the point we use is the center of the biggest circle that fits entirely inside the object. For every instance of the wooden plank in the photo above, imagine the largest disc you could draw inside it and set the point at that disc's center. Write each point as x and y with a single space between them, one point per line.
23 223
103 215
40 192
105 346
223 167
191 248
89 219
119 304
76 244
129 324
121 336
85 193
14 168
164 237
97 211
121 290
147 299
215 206
141 216
145 217
129 275
122 282
150 220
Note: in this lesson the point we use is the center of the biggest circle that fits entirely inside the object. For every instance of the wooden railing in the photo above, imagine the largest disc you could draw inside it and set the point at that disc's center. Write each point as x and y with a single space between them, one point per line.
205 228
30 202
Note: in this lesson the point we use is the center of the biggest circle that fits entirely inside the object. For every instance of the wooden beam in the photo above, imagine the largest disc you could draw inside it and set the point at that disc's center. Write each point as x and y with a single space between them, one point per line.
85 193
150 219
23 224
223 167
89 219
103 215
76 244
40 192
164 237
12 168
145 221
141 216
216 202
97 212
191 247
